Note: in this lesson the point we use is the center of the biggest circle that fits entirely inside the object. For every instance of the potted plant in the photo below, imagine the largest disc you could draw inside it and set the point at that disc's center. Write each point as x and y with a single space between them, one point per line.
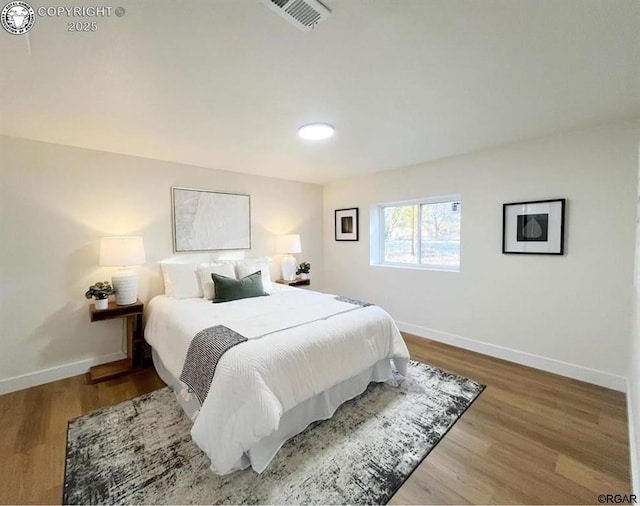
100 291
303 270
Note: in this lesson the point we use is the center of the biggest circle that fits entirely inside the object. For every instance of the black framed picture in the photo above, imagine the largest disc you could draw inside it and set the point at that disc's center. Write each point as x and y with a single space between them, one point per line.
346 223
534 228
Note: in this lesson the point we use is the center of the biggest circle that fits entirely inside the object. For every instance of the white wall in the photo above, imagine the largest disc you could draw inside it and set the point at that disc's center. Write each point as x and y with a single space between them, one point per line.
569 314
633 394
56 202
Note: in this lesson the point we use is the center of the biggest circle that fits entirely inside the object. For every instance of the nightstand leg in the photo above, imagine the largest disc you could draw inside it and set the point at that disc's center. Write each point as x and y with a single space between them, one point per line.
131 323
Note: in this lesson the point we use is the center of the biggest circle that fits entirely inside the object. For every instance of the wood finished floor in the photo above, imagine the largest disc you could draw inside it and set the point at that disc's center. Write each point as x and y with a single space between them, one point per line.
530 438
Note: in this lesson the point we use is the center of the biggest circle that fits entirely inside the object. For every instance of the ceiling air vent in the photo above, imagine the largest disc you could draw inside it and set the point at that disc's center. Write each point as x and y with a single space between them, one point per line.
305 14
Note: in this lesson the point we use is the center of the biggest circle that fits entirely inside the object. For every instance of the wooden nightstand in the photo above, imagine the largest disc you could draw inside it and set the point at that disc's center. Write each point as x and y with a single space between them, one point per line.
135 341
294 282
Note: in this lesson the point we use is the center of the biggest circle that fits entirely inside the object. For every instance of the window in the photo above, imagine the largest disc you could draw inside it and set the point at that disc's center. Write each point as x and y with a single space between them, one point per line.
423 233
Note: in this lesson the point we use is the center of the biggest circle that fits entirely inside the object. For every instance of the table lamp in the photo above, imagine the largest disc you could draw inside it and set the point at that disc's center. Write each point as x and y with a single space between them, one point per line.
123 252
288 244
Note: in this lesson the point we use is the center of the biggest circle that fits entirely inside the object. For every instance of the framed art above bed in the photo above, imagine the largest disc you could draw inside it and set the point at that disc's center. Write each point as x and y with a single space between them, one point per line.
206 220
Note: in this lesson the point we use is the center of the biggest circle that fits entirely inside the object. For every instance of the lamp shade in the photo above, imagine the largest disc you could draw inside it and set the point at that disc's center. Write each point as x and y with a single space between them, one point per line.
288 244
121 251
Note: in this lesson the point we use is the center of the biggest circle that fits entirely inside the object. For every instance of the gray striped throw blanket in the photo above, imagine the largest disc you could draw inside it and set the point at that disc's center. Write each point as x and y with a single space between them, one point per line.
205 351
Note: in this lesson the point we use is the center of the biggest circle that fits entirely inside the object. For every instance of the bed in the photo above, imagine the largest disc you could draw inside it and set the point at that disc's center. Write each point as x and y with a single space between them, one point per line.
306 353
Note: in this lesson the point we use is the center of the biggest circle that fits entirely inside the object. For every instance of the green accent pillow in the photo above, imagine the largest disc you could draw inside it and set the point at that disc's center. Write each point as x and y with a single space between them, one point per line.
233 289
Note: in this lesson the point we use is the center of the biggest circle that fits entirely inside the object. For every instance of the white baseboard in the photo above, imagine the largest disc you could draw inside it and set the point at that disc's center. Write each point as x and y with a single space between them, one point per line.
574 371
54 373
634 444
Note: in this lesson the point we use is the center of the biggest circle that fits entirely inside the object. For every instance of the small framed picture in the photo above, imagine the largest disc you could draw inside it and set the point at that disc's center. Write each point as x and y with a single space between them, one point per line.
347 224
534 228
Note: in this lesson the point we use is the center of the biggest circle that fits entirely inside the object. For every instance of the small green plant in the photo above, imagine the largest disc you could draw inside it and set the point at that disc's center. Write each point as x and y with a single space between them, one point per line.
100 290
303 268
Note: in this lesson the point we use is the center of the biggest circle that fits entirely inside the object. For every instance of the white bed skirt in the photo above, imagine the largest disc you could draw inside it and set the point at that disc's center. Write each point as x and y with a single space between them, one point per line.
294 421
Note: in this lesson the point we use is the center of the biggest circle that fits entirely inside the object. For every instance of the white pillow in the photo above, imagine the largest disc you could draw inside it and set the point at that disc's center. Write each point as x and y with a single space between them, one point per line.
250 265
223 268
181 280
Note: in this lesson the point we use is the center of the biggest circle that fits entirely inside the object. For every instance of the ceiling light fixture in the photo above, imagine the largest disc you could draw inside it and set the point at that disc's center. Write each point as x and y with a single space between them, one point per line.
316 131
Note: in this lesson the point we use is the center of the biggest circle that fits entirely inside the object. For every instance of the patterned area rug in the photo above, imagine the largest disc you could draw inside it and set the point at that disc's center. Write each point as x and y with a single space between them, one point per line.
140 451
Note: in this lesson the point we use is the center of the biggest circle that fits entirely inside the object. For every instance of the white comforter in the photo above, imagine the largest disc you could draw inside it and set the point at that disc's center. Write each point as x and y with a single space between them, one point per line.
300 344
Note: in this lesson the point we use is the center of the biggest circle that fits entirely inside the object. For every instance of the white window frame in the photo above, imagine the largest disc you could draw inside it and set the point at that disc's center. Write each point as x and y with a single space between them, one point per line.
377 234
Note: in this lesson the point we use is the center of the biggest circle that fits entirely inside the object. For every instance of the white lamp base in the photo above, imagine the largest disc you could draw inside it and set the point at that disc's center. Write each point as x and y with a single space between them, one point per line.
288 267
125 283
